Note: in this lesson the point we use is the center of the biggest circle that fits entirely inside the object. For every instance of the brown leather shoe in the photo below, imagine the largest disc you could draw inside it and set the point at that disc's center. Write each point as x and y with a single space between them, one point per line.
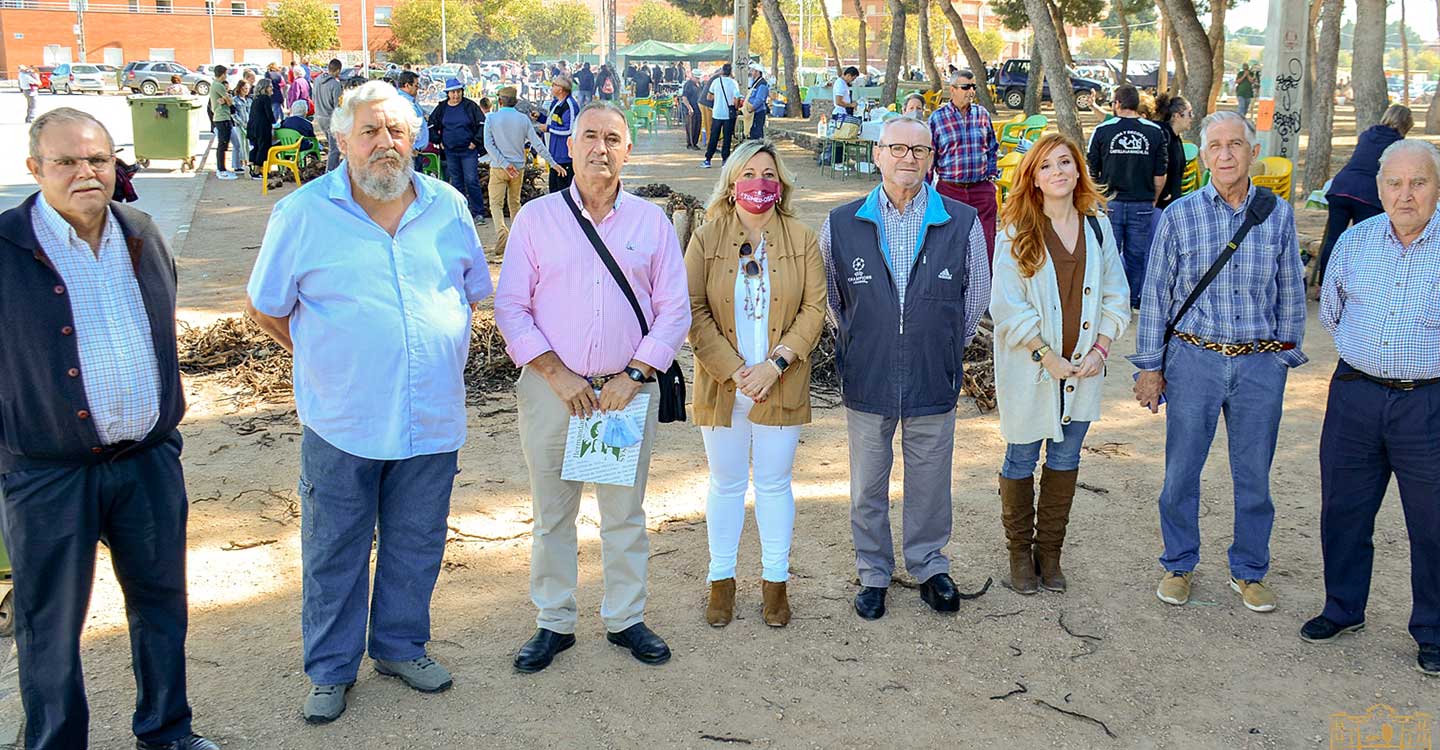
777 605
721 609
1017 513
1052 516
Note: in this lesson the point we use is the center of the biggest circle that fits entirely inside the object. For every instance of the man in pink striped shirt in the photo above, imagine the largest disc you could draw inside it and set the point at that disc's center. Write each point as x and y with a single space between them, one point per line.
568 324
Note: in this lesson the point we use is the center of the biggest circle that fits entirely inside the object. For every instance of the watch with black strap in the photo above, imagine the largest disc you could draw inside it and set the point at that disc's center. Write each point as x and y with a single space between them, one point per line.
634 374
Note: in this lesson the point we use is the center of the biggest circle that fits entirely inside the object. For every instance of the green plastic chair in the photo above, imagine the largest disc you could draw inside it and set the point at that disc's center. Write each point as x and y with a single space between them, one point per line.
432 165
643 115
1014 132
1191 151
288 137
1034 126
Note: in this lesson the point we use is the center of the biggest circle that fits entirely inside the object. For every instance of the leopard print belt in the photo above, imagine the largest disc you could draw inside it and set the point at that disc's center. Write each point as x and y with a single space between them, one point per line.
1235 350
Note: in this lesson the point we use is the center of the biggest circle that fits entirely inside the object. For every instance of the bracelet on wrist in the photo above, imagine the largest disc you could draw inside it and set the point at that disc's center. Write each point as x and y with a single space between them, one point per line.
1104 353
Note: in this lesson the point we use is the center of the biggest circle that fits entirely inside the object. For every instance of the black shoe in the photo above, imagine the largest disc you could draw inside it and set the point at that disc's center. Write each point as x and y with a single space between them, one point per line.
1428 659
870 602
939 592
193 742
642 642
1322 629
540 650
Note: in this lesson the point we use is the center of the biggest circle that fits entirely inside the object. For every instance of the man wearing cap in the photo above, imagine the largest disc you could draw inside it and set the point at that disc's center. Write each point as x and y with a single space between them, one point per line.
560 114
458 126
507 133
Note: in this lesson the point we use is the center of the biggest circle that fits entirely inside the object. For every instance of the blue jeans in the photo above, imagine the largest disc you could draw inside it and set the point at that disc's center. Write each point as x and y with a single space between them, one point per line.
1020 458
462 171
1250 391
342 500
1244 106
1134 225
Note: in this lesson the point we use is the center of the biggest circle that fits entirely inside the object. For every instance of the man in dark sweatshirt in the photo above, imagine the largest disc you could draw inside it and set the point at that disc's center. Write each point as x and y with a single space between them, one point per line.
1127 155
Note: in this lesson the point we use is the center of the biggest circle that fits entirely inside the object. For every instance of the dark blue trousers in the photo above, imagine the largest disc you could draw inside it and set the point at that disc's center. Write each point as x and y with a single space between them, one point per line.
52 519
1134 225
462 171
1371 432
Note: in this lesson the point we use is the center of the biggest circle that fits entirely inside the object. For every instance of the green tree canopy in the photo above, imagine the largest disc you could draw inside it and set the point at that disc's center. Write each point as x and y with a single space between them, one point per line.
1141 14
416 27
1144 45
1100 46
1013 16
302 27
988 43
555 27
664 23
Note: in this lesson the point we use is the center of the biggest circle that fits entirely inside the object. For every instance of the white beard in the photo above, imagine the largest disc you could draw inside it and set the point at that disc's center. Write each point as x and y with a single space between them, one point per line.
381 181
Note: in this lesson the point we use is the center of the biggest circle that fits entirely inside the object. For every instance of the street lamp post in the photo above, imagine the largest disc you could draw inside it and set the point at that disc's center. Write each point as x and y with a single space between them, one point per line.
444 51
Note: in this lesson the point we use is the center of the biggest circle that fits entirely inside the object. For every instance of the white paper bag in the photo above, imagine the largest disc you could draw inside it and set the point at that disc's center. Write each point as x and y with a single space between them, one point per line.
589 459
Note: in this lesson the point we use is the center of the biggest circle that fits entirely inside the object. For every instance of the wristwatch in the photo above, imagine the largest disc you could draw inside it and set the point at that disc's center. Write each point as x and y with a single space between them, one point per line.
780 363
634 374
1039 354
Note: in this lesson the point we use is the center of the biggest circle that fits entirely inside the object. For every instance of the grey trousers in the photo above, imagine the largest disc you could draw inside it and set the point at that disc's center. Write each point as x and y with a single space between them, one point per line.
928 444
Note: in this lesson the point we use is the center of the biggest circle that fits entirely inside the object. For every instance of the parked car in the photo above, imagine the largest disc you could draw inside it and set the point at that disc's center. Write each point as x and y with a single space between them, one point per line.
443 71
72 77
45 71
1014 74
151 77
112 76
495 71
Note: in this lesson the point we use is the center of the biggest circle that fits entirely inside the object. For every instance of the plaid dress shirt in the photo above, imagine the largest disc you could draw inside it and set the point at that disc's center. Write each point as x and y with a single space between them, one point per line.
966 149
117 354
1381 300
1258 296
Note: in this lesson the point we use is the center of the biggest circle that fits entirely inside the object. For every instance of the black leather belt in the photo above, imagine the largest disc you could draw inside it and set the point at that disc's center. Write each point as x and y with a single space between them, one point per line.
1399 385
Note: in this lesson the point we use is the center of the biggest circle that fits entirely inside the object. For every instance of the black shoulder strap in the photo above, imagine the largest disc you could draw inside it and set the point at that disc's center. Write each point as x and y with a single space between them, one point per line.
604 253
1095 227
1258 212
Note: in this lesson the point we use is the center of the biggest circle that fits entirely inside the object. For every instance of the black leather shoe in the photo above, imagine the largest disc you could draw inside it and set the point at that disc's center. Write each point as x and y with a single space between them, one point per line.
540 650
1428 659
870 602
1322 629
642 642
193 742
939 592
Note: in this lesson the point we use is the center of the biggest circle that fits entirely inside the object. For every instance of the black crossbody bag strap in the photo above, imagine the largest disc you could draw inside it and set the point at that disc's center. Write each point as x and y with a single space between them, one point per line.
1258 212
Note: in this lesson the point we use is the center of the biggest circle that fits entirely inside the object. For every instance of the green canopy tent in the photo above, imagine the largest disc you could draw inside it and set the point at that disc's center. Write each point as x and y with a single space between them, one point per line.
653 51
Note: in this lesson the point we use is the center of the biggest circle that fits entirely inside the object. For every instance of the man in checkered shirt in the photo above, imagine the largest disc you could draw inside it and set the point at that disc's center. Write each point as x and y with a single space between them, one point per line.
90 398
1381 302
967 153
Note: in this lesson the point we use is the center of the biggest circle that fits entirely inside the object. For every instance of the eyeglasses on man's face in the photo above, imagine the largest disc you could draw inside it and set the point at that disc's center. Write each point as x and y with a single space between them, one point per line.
965 86
901 150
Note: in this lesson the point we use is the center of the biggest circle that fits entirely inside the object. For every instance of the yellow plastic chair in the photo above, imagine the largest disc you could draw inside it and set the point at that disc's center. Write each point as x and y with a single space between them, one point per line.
286 156
1278 176
1002 126
932 101
1009 164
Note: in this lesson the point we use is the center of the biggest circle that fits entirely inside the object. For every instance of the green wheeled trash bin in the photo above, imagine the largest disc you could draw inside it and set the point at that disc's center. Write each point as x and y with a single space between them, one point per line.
167 127
7 603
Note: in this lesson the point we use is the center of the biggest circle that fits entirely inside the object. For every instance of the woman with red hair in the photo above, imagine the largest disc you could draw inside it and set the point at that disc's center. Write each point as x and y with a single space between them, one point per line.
1058 298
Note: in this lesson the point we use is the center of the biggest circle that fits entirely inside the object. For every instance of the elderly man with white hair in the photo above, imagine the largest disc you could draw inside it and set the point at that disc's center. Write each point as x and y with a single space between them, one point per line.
1381 302
909 280
1222 316
368 276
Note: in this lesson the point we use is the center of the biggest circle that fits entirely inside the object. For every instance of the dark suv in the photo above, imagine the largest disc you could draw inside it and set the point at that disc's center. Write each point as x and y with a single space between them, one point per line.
1012 77
151 77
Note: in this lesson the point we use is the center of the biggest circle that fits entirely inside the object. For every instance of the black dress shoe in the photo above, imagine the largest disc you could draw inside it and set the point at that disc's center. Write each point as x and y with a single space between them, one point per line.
870 602
1428 659
642 642
939 592
192 742
1322 629
540 650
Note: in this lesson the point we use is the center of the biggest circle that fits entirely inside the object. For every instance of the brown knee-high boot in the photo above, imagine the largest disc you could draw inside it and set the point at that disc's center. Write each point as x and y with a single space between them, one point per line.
1052 515
1017 513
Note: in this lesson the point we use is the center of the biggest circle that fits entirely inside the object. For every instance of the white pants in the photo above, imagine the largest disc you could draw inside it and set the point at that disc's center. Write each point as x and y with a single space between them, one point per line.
729 451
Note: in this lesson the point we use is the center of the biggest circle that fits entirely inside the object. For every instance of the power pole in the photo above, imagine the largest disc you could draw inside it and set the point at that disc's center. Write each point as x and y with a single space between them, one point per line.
444 47
364 38
612 35
740 52
80 27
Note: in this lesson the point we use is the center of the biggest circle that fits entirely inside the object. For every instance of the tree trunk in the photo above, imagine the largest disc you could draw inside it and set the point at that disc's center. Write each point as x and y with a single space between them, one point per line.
1034 82
1307 100
1182 63
1195 43
1217 50
1404 58
927 52
1057 17
780 39
1322 112
864 43
895 55
1162 76
972 56
1125 43
1432 114
1367 66
830 39
1047 45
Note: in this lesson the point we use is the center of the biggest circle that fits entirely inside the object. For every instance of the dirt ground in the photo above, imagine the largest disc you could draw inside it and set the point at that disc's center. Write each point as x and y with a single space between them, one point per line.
1208 675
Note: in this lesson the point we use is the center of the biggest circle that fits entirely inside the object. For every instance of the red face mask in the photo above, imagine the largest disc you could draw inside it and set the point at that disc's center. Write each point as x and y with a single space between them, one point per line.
757 195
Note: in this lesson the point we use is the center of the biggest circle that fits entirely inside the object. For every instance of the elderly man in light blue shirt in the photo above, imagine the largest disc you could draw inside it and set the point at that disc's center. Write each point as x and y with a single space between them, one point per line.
368 276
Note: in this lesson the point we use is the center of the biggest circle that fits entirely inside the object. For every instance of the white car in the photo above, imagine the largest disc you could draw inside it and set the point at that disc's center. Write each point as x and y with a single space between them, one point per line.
70 78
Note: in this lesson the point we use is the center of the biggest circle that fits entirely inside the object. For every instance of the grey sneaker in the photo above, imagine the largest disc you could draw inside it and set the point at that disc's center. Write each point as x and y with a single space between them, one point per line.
325 704
423 674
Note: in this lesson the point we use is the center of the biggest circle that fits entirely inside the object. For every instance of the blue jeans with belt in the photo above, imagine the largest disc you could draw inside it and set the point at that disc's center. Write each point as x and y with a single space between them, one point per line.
344 499
1249 390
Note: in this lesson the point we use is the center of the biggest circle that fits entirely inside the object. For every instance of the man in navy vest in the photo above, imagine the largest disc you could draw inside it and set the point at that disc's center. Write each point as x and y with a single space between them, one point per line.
908 282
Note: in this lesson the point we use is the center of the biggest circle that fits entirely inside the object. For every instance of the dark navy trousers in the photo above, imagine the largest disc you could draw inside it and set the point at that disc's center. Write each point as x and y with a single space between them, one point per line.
1372 431
52 519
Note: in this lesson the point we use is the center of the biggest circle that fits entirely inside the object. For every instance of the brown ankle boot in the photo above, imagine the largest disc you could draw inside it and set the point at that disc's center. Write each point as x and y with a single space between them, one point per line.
1052 515
1017 513
777 605
721 609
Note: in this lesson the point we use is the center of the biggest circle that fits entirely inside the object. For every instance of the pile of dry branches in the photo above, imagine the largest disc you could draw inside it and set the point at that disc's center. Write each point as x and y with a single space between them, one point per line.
979 367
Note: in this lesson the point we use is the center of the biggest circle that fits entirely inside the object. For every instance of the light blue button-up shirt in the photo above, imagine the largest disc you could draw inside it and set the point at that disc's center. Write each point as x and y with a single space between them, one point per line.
422 135
381 324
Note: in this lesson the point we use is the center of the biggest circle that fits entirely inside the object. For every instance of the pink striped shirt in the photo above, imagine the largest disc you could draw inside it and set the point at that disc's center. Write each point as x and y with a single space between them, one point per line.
556 295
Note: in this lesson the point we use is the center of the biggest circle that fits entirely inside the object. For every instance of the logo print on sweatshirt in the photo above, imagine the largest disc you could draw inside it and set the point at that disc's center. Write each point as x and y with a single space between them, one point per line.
1129 142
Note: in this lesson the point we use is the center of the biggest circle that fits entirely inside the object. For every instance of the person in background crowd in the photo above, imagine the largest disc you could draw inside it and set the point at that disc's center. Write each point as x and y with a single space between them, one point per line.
584 85
643 80
408 84
327 96
1174 115
1052 338
1382 416
1127 155
368 276
30 87
560 113
278 86
843 97
606 84
459 128
1231 354
759 99
299 90
1247 81
260 128
177 86
507 133
241 117
298 122
567 323
967 153
914 107
221 116
752 364
933 251
690 110
1354 196
724 95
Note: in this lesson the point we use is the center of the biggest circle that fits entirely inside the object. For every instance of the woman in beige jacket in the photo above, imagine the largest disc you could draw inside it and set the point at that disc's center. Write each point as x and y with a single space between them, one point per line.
757 302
